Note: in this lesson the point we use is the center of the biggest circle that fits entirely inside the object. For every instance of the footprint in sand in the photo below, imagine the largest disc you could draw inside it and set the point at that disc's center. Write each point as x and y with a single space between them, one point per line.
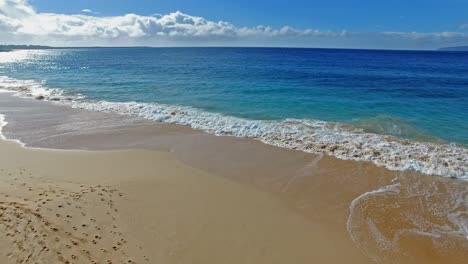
48 222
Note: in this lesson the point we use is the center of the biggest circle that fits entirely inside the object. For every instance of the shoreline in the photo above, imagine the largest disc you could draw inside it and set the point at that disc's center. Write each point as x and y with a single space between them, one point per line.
336 197
340 140
222 203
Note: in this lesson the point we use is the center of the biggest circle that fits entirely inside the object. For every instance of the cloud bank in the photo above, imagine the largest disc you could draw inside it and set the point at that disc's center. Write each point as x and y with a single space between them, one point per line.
20 23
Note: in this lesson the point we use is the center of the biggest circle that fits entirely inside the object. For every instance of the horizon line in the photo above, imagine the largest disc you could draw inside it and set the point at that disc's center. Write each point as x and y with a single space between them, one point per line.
252 47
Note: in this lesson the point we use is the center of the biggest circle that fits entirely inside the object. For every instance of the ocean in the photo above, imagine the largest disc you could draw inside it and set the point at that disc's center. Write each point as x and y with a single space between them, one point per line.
403 110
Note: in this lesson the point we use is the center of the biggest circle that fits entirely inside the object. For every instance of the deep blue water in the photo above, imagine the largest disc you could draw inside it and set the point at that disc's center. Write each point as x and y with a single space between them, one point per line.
419 95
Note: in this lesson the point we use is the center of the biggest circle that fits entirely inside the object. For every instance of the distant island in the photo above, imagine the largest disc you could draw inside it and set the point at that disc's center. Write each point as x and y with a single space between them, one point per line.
4 48
7 47
460 48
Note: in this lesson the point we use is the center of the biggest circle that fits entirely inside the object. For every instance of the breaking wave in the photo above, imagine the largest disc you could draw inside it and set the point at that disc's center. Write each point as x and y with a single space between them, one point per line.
314 136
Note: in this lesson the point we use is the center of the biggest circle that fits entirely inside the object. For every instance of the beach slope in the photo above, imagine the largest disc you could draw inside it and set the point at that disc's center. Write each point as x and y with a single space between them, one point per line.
145 207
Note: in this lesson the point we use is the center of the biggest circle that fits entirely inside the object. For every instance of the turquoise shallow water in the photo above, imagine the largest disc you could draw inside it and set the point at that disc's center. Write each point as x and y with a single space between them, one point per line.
416 95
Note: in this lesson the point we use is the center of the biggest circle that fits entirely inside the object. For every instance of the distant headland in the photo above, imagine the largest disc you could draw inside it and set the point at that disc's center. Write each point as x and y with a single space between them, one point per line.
22 47
459 48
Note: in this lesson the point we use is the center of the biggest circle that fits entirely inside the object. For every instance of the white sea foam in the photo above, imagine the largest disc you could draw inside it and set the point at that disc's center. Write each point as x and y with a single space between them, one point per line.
314 136
434 210
355 223
3 123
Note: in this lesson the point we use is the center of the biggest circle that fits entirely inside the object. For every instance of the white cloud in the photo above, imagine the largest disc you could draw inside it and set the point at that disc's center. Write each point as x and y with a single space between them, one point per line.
16 8
174 25
19 22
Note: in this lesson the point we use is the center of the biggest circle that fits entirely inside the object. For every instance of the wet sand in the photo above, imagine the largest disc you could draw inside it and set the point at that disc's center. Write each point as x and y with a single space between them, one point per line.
190 197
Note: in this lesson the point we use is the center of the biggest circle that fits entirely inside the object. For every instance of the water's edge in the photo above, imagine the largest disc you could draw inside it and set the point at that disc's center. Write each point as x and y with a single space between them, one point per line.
312 136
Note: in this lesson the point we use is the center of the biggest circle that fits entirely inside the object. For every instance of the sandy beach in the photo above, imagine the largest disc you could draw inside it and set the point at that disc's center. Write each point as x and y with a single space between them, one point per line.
233 132
144 207
140 192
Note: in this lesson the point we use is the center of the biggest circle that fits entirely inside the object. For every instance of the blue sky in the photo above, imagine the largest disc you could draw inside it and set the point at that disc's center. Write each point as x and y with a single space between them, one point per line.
354 15
397 24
